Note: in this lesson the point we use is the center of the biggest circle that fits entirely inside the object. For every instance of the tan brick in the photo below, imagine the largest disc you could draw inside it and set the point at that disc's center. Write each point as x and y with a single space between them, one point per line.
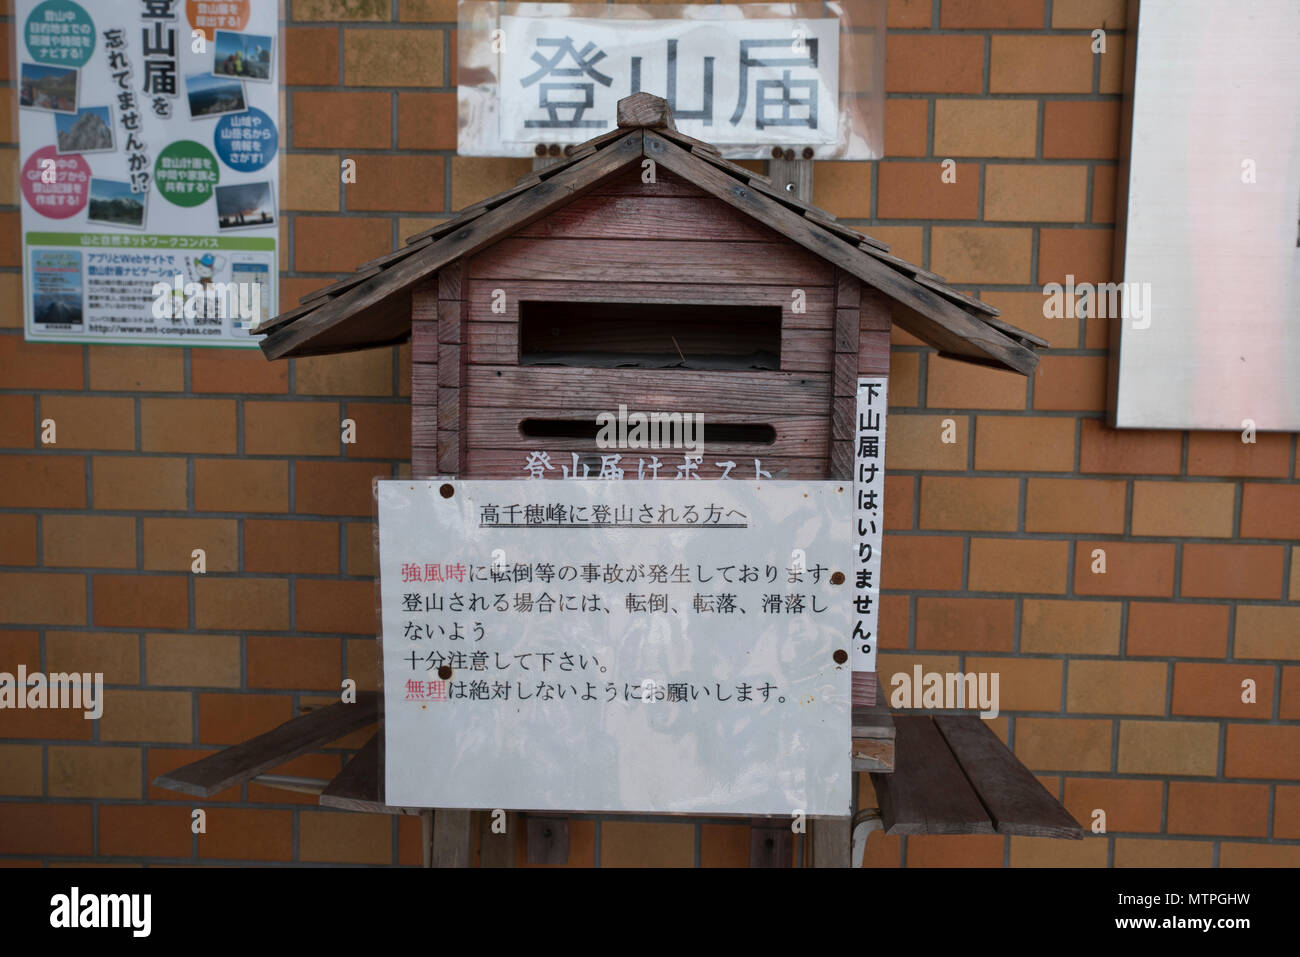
927 190
1216 808
427 121
292 428
397 184
141 831
1270 511
21 773
1111 75
1024 193
1223 453
1217 689
1232 571
293 662
1141 569
963 503
390 58
917 442
646 844
63 829
1075 505
342 120
1169 629
1129 451
1193 509
905 242
17 539
1286 812
1128 805
256 604
1081 129
1103 211
140 483
1039 64
916 63
229 718
1116 687
94 771
953 384
1049 852
35 598
906 127
383 430
1088 14
90 422
193 661
116 656
363 663
1150 852
977 15
141 601
985 128
89 541
311 56
339 837
312 182
223 485
953 850
257 834
978 254
147 716
1024 443
240 371
1263 751
39 365
1267 631
1084 254
1168 747
368 372
341 10
1258 855
187 425
1063 744
136 369
335 488
17 421
43 481
967 624
335 606
1024 684
904 378
922 562
1071 383
334 244
169 543
1018 565
1070 627
478 177
360 548
843 189
291 546
908 13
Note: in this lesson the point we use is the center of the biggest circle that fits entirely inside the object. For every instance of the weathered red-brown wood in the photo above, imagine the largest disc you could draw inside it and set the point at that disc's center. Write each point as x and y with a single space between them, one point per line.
648 261
507 464
424 378
630 184
656 218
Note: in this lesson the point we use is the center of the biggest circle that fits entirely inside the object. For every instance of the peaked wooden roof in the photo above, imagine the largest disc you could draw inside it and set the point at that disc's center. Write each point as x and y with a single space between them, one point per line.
372 306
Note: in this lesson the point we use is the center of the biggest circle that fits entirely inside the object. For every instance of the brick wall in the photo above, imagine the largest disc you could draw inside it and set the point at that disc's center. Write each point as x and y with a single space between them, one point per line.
1122 691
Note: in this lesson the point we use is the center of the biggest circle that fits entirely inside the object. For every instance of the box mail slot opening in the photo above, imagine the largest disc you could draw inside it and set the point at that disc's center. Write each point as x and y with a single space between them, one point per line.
715 433
649 335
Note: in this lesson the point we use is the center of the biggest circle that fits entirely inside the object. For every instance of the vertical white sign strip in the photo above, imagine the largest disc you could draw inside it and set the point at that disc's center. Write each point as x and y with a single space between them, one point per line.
868 516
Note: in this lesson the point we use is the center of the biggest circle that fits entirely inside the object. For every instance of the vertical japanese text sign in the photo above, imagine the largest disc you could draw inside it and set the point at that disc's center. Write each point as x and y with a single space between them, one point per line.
868 516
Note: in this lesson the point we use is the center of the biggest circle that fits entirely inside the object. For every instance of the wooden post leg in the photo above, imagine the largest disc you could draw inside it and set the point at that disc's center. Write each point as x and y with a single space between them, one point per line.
831 842
497 849
452 837
426 837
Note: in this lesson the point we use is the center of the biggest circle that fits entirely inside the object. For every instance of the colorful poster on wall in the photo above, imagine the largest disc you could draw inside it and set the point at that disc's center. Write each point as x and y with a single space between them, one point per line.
149 170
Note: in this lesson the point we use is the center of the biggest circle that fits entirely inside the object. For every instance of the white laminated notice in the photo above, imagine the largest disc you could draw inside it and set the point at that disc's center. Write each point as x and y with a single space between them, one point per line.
868 516
633 646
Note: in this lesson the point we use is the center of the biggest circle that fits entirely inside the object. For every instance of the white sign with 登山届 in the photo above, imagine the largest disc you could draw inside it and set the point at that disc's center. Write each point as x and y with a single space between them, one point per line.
868 516
617 646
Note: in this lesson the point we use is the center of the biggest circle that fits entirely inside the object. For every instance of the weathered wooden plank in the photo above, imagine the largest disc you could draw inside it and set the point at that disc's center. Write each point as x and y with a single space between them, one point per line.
875 312
452 317
611 260
449 449
629 183
832 842
424 459
843 413
360 785
347 282
1015 801
449 365
509 464
496 847
927 793
846 374
452 837
685 390
846 330
664 218
816 301
807 350
841 459
449 408
497 428
1015 333
874 754
438 230
926 315
848 290
424 423
645 109
956 296
793 176
548 840
873 353
241 762
771 844
356 309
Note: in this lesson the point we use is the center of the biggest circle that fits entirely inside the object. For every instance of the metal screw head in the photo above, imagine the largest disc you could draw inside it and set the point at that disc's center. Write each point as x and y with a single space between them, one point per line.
837 578
539 149
444 672
447 490
555 149
776 152
789 154
840 657
807 152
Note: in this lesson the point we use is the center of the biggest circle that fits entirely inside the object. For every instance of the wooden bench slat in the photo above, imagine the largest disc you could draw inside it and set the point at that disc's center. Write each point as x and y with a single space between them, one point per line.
239 763
1015 800
927 793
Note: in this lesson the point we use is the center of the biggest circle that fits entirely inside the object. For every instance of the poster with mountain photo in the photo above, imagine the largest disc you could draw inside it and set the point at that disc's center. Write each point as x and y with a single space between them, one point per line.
149 139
